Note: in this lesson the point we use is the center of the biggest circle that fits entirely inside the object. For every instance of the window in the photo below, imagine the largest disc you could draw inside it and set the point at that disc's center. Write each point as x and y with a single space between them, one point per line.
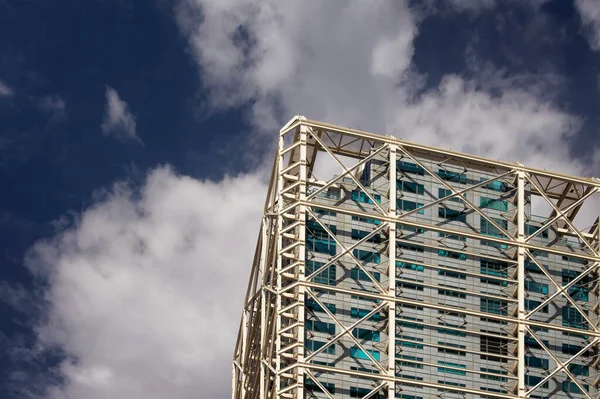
452 237
493 346
410 247
409 266
536 362
490 230
570 386
312 386
529 230
410 286
366 256
410 324
366 220
311 304
579 290
356 392
454 294
571 349
452 176
357 313
327 276
495 306
359 274
454 332
360 354
452 351
361 196
444 192
572 318
451 370
411 229
532 343
579 369
530 304
449 273
320 326
533 380
535 287
368 335
533 268
410 344
495 185
414 359
409 167
452 254
493 377
410 187
452 214
493 203
407 205
318 240
493 267
313 345
359 235
452 383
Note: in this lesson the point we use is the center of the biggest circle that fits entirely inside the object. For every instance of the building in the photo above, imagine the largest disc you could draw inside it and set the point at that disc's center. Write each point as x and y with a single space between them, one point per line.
415 272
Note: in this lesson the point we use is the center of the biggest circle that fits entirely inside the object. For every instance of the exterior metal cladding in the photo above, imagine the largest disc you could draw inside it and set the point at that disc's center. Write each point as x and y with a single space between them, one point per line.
407 271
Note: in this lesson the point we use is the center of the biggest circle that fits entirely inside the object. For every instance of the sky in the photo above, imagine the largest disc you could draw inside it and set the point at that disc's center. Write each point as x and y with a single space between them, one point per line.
136 138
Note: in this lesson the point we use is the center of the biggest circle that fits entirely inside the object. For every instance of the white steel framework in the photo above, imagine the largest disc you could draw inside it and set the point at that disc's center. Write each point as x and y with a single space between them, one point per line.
275 354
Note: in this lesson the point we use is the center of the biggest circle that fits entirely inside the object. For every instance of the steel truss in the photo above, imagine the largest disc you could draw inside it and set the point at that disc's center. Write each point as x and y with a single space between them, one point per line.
270 358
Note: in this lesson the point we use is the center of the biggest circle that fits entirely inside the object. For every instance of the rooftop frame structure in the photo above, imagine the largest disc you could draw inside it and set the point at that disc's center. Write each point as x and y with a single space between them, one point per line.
271 357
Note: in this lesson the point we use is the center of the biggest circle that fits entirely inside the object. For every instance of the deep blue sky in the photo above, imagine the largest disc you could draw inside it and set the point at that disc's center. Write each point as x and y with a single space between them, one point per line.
74 49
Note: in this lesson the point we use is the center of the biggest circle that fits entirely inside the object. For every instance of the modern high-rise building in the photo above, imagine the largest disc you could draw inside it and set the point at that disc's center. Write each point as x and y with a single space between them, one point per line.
389 269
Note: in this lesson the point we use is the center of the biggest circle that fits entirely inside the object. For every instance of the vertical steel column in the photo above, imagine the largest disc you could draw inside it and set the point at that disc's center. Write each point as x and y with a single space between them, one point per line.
392 274
279 201
244 347
263 311
301 261
521 282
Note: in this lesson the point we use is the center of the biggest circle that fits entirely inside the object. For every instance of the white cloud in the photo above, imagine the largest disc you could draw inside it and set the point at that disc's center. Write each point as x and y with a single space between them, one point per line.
118 120
351 65
55 105
589 10
146 291
5 90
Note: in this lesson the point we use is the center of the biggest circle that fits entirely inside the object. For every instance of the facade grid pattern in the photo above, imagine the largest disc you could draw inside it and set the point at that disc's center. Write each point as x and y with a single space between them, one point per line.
414 272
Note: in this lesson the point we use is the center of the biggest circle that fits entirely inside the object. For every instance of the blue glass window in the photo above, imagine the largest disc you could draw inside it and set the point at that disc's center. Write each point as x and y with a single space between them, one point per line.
364 198
410 266
409 167
407 205
493 203
579 291
410 187
313 345
452 214
360 354
320 326
539 288
368 335
451 371
327 276
366 256
359 274
452 176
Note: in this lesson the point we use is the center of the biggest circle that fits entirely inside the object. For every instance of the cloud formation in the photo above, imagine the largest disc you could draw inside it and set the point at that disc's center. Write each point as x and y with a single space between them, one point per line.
5 90
118 120
146 290
589 10
54 105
